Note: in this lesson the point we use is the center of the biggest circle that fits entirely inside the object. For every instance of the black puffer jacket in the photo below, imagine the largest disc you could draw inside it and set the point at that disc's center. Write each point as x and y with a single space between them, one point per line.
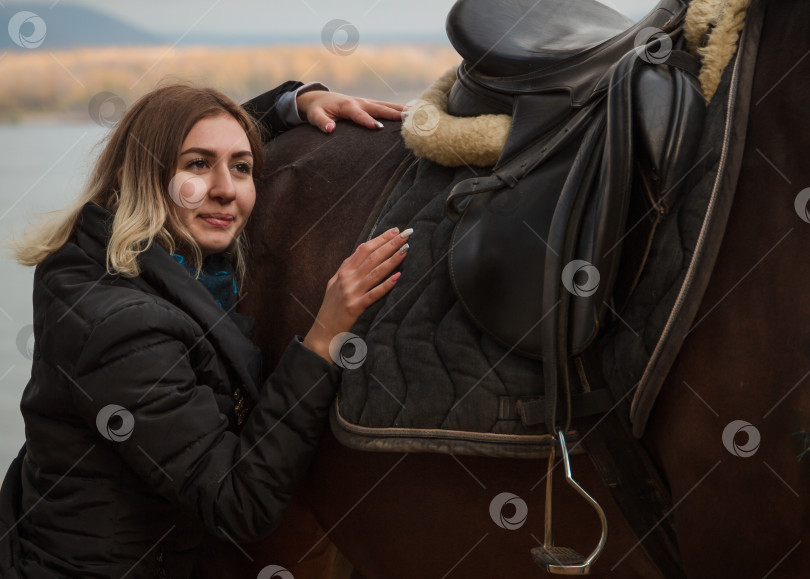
131 414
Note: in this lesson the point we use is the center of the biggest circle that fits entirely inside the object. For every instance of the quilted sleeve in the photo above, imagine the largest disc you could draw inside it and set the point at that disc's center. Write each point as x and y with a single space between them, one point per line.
264 108
137 386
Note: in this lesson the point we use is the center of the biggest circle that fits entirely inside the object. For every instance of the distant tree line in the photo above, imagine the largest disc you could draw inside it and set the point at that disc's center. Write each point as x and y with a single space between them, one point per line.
62 83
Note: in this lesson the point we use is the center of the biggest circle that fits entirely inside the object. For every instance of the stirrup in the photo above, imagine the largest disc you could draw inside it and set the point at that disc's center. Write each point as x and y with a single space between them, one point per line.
565 560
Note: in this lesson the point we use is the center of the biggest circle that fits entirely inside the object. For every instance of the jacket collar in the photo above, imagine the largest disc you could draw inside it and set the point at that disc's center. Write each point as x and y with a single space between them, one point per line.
163 276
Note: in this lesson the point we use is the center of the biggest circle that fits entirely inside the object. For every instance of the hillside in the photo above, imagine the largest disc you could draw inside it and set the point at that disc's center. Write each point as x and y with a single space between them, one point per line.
72 26
68 26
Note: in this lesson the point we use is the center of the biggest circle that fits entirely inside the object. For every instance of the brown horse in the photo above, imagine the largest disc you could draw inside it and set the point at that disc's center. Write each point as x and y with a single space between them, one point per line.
747 357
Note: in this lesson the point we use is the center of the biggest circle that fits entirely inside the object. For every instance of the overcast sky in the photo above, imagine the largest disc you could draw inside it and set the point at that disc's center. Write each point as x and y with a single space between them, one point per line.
250 17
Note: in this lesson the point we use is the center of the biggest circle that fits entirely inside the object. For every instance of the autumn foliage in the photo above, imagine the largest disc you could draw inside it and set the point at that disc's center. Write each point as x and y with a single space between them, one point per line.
38 82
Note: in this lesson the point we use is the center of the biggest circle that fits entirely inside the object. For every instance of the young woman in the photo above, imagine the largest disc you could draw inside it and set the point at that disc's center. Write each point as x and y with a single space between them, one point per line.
150 419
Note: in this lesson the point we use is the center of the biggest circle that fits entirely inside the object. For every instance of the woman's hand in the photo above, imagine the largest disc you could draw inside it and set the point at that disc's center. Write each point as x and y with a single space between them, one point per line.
362 279
323 109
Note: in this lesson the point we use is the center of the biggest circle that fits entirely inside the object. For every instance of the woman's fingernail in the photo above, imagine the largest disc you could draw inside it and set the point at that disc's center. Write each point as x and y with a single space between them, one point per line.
404 248
407 233
393 230
395 277
378 124
329 127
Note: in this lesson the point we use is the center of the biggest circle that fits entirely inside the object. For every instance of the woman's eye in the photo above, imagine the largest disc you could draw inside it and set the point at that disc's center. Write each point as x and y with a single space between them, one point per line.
197 164
245 168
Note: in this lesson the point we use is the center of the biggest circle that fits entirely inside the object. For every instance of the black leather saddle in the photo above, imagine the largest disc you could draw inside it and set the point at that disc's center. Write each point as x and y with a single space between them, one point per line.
557 53
513 38
606 119
617 119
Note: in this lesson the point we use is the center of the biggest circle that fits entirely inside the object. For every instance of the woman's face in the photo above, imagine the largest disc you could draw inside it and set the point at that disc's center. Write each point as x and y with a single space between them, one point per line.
213 186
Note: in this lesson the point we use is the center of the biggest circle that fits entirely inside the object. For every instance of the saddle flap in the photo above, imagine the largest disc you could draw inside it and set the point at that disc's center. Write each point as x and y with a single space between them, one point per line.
505 253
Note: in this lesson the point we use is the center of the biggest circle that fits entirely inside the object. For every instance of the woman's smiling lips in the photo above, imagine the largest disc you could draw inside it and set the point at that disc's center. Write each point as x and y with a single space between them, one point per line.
217 219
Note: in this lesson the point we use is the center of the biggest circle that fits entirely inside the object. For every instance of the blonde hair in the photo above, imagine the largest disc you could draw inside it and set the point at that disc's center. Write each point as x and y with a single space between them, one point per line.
131 180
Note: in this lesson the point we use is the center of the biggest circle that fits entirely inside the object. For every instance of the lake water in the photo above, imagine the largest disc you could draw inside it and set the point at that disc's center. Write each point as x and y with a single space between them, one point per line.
42 168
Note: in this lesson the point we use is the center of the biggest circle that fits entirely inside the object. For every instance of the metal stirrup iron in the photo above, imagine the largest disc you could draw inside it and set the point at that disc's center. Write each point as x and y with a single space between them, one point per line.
565 560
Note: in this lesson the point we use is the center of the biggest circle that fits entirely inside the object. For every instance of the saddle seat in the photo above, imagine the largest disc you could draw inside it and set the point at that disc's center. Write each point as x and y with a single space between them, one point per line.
558 48
517 38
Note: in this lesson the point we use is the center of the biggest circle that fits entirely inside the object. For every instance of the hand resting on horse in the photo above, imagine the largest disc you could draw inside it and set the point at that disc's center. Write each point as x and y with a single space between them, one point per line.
323 108
361 280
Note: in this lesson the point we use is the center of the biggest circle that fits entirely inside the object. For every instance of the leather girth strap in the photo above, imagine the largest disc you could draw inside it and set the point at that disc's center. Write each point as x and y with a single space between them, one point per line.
629 473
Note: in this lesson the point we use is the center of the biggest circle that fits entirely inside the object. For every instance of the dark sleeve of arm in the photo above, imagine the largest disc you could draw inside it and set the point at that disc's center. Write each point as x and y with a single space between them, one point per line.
180 443
263 109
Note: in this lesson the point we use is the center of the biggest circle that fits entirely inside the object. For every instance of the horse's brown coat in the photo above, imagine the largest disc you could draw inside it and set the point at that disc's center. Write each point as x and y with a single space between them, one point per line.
427 515
424 515
751 344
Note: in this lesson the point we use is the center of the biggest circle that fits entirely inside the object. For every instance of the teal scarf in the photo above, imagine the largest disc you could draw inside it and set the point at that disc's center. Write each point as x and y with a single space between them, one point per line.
218 277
